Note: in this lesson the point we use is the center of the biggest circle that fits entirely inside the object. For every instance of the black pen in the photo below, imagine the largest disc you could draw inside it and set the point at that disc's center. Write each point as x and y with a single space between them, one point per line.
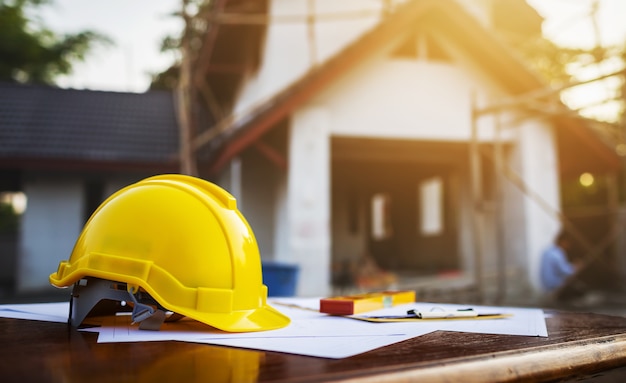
441 314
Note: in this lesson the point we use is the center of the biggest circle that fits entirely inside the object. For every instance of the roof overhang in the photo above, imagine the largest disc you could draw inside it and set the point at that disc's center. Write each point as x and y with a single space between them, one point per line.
30 163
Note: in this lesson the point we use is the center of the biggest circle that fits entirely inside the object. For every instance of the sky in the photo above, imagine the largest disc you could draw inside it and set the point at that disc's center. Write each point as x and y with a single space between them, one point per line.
138 26
568 23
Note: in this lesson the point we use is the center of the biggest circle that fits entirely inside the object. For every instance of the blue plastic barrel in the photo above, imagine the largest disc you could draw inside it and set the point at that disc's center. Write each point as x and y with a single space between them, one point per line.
280 278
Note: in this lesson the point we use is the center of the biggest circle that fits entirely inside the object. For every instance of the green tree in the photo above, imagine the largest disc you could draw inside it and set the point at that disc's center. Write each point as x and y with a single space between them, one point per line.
8 218
194 14
553 60
561 65
29 52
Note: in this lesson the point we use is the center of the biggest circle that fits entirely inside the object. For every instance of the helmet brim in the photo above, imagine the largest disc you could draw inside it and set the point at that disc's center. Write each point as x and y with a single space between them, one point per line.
261 319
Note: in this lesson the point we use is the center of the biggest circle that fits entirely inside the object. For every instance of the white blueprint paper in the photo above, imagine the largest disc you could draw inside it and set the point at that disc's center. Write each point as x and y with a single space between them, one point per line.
310 332
47 312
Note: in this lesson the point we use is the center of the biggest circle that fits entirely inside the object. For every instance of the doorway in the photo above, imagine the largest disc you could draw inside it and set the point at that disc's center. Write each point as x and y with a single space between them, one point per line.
396 202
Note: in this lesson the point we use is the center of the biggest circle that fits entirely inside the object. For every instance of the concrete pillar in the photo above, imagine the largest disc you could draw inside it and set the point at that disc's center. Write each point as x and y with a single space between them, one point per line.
308 200
50 226
540 175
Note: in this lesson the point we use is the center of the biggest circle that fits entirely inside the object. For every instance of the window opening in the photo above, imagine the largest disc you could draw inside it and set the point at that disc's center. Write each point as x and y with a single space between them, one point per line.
431 206
381 216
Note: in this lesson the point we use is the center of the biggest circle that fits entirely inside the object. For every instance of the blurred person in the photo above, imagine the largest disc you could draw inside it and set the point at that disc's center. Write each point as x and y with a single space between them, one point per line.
556 267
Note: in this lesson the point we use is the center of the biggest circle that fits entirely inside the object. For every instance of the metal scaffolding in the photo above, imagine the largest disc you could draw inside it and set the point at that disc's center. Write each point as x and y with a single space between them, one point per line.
592 251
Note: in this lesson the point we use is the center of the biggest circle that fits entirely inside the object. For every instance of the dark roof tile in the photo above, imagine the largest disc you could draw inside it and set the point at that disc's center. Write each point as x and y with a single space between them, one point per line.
45 122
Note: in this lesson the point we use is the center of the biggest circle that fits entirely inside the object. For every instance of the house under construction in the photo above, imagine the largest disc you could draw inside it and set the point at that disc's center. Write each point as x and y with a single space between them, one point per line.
377 143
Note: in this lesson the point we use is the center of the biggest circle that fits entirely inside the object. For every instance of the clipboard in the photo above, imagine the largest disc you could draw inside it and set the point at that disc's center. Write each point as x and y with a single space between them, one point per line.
433 315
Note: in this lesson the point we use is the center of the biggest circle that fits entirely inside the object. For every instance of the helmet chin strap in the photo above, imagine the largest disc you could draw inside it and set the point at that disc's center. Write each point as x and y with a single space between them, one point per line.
88 292
147 316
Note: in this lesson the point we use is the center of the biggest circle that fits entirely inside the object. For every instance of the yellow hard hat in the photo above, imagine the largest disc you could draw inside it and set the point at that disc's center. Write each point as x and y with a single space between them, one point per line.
182 241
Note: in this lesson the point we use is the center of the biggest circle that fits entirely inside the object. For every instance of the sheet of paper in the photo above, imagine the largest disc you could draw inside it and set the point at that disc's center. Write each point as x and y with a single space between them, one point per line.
47 312
310 333
321 347
303 324
119 329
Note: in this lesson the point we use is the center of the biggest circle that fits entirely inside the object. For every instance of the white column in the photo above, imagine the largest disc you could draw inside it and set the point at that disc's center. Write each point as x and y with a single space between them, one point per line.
50 226
308 200
540 172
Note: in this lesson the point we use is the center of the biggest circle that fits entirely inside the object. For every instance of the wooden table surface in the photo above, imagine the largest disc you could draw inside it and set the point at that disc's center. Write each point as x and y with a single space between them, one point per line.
578 345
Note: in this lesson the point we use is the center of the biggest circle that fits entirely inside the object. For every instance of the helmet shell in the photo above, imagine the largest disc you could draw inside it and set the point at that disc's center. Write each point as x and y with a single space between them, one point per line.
183 241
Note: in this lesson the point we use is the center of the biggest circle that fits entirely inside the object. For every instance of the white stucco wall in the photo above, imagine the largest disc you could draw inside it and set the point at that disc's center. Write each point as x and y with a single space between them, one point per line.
287 55
402 99
290 50
50 225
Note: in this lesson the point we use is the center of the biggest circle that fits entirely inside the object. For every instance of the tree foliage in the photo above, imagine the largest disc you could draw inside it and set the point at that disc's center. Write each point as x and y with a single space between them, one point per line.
8 218
32 53
193 13
552 60
561 65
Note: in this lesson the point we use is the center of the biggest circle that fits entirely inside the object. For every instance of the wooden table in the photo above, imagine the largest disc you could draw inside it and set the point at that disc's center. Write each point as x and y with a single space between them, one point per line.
578 345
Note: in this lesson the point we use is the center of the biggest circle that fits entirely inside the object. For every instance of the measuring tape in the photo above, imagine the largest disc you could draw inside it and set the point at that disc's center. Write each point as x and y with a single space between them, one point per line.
359 303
